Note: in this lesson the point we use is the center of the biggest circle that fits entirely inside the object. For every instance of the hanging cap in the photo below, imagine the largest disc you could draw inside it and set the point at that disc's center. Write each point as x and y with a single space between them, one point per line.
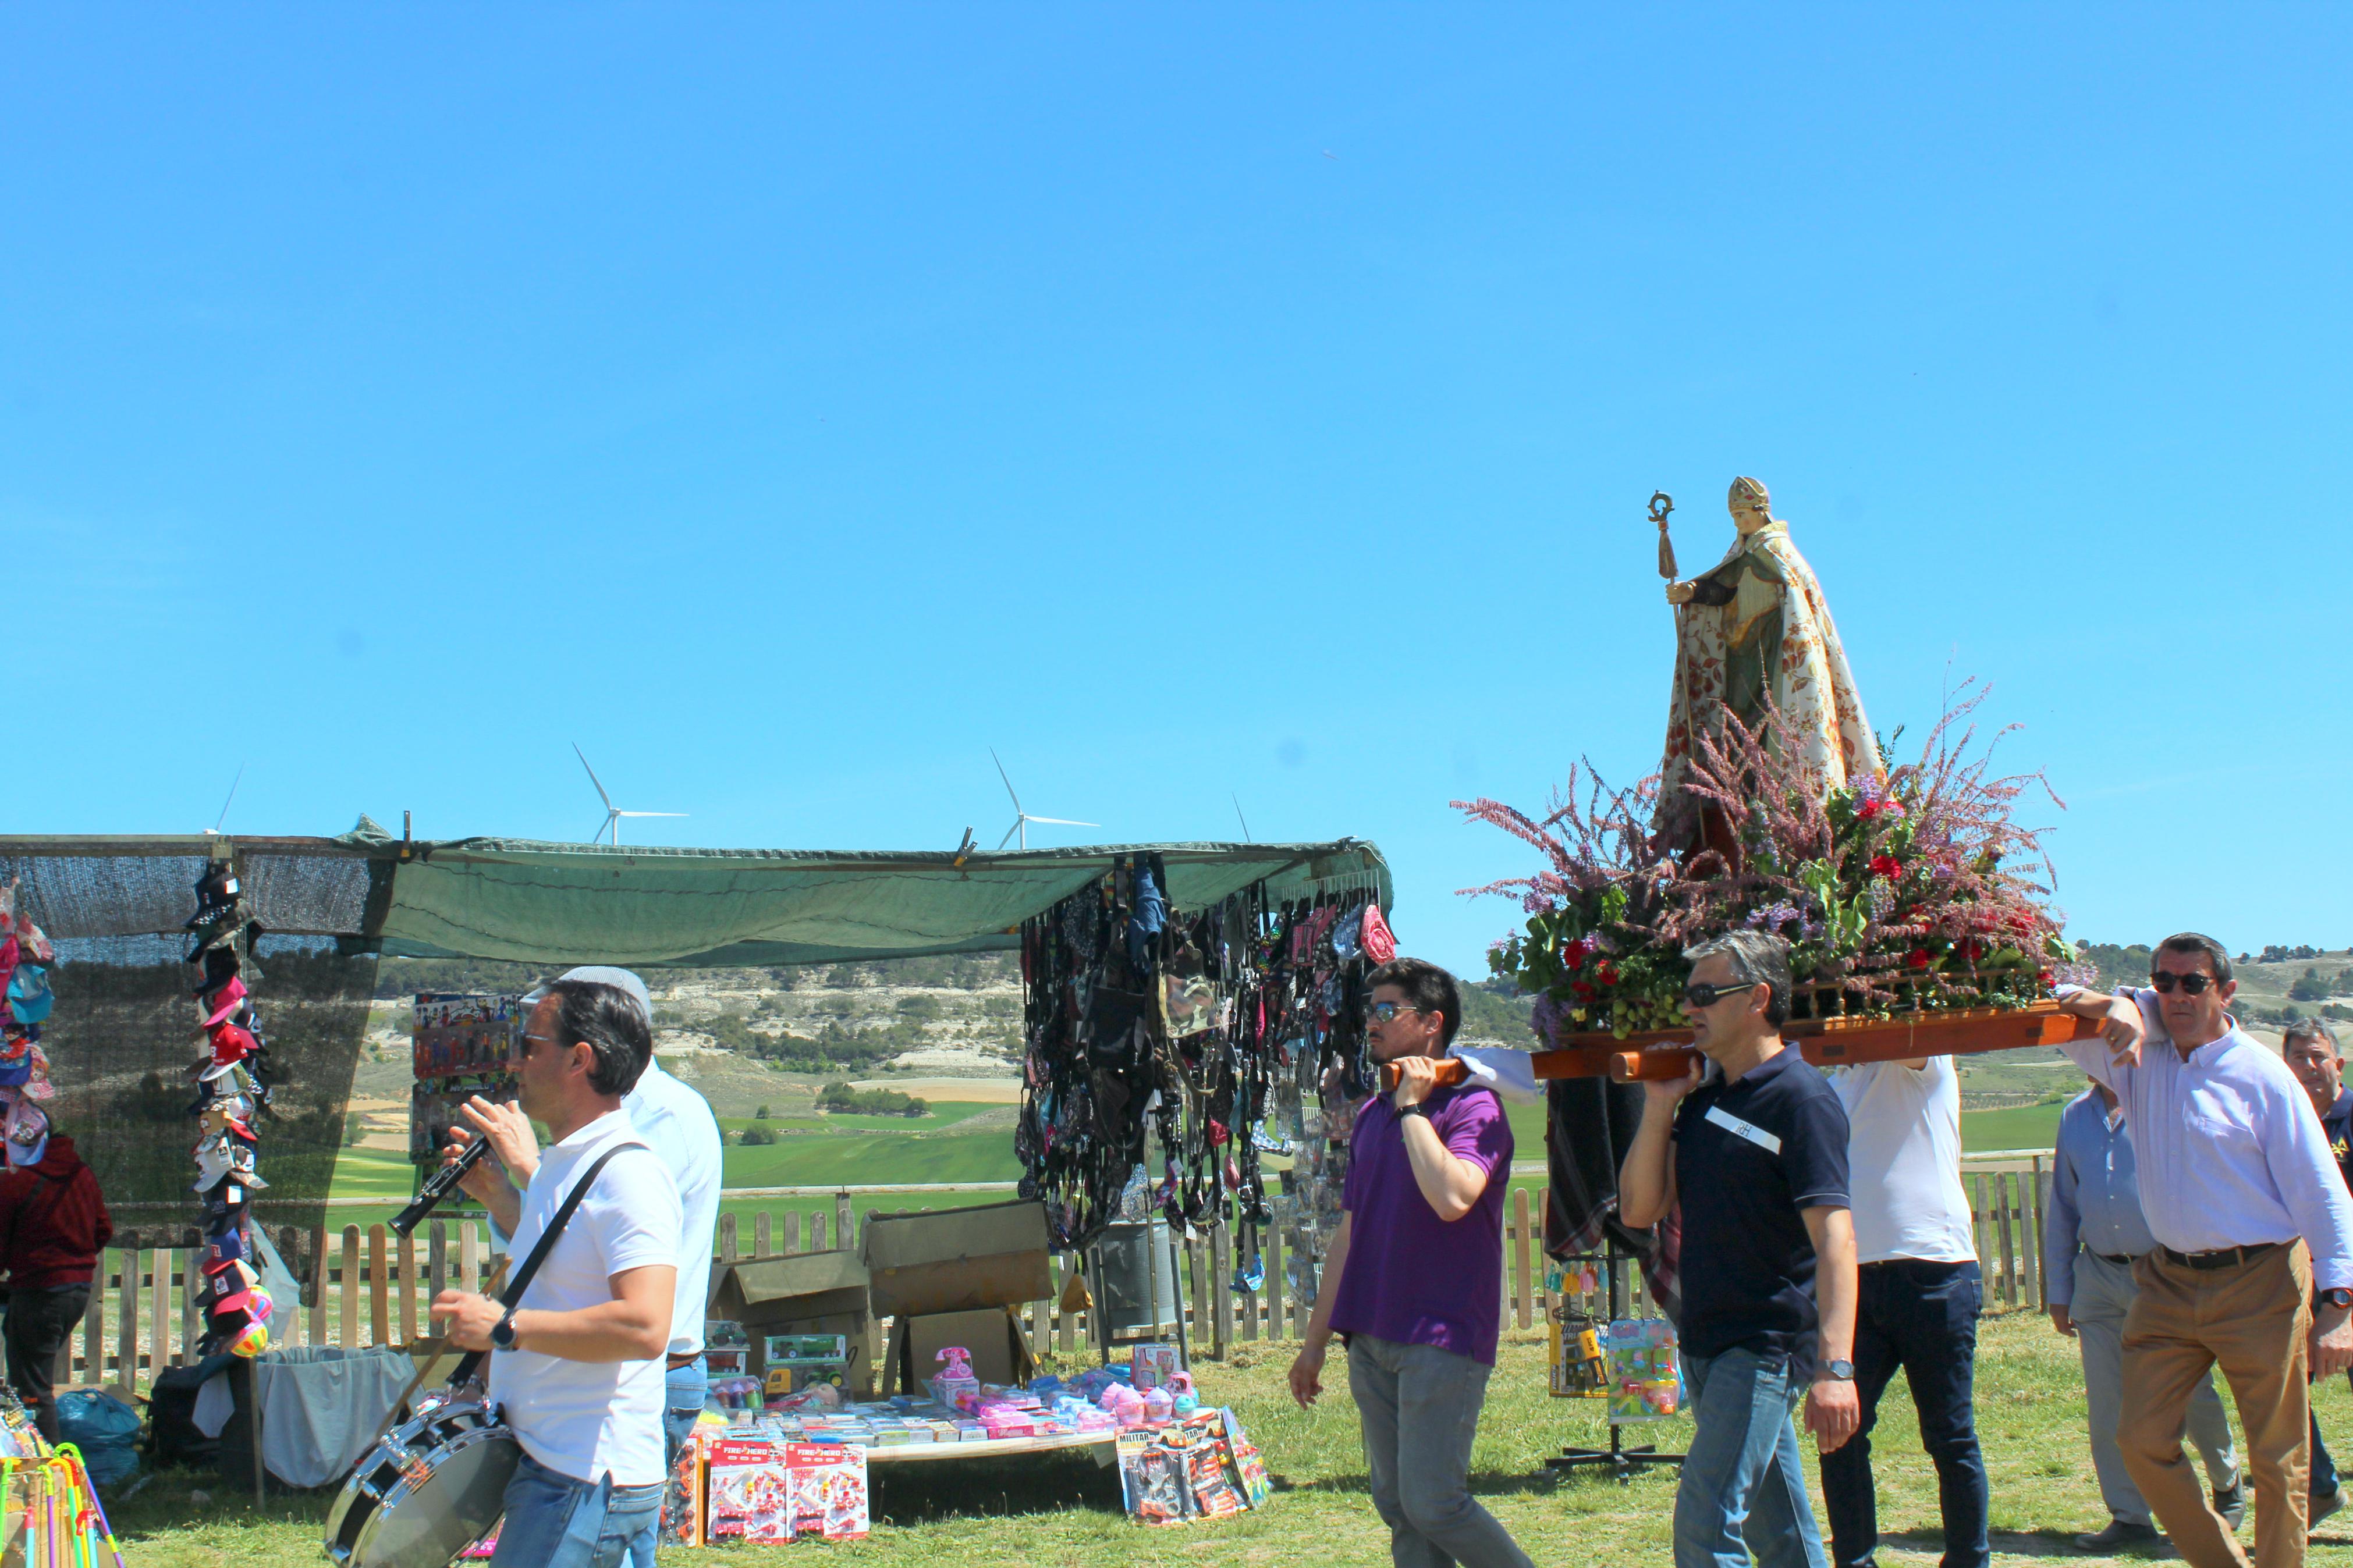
224 1003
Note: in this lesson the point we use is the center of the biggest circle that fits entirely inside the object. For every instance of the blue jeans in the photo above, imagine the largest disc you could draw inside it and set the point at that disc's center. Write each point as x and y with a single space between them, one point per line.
686 1390
1921 1317
1743 1488
555 1522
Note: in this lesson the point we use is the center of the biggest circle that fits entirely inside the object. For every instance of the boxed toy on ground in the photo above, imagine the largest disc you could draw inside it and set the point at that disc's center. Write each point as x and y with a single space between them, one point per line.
766 1492
1203 1467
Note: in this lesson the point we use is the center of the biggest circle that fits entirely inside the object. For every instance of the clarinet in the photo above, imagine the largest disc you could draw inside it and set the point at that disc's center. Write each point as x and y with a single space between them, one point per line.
439 1185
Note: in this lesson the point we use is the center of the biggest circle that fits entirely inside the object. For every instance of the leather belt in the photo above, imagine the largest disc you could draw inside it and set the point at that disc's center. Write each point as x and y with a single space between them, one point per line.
2222 1257
677 1361
2121 1259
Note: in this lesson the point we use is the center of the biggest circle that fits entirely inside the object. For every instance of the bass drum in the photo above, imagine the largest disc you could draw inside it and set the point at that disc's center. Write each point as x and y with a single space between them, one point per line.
433 1487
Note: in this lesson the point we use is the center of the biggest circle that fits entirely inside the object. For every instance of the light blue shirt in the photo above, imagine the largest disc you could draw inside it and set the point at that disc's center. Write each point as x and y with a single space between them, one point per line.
2231 1153
2095 1193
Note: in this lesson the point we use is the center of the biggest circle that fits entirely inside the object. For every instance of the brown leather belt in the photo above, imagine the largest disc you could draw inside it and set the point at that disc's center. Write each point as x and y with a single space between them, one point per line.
677 1361
2222 1258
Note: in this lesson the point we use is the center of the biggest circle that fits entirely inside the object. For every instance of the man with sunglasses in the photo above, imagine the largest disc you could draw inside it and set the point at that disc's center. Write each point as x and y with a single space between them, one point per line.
1753 1145
577 1363
1413 1277
2234 1173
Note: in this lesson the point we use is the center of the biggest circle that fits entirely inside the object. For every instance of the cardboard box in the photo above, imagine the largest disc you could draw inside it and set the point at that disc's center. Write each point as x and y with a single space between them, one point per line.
808 1293
1000 1352
956 1261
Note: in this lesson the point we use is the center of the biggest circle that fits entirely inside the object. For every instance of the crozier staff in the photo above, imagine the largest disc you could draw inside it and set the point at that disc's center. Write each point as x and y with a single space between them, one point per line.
576 1366
1413 1277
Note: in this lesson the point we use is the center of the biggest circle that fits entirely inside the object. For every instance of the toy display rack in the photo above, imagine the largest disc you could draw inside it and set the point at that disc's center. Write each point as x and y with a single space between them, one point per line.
1659 1055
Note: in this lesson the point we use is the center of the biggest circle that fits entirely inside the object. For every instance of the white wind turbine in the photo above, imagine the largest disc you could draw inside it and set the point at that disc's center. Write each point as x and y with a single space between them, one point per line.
612 814
1022 819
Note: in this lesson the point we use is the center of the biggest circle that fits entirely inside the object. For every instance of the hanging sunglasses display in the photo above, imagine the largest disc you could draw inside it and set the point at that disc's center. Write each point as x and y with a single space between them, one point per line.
1225 1035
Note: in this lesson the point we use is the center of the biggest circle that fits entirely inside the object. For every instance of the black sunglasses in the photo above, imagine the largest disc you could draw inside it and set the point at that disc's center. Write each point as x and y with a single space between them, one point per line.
1700 994
2192 984
1386 1012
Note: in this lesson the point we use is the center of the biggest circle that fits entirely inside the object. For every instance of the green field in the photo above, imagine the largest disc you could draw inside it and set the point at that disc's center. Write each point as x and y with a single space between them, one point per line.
2027 1127
1059 1510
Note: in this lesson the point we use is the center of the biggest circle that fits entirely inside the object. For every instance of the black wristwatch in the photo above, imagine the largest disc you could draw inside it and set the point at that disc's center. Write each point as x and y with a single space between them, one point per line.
1419 1108
503 1334
1836 1372
2336 1296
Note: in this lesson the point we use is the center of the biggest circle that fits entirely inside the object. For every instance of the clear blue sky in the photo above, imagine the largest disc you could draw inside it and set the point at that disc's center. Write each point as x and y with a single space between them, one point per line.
788 404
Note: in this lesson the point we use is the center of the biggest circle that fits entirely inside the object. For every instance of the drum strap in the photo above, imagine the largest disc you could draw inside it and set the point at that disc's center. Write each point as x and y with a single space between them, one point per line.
521 1279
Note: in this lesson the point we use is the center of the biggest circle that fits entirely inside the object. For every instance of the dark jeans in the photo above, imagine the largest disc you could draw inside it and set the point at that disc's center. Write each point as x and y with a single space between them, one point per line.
36 1327
1922 1317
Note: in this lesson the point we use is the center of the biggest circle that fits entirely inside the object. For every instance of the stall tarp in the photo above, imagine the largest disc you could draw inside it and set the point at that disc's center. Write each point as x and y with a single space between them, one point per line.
527 901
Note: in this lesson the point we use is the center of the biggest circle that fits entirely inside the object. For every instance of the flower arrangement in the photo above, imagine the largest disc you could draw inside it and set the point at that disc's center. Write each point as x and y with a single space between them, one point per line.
1911 890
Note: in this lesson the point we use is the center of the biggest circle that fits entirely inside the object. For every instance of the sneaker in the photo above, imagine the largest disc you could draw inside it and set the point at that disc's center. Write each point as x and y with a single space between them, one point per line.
2120 1535
2320 1507
2231 1502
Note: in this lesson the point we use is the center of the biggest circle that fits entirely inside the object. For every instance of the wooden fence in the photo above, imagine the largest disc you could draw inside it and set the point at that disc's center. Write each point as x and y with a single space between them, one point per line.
367 1286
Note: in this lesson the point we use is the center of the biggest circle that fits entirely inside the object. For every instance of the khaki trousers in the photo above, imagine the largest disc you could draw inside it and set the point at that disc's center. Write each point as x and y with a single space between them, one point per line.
2251 1319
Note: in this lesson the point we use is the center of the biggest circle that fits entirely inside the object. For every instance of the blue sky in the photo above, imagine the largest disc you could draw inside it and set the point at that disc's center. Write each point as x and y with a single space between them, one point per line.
789 403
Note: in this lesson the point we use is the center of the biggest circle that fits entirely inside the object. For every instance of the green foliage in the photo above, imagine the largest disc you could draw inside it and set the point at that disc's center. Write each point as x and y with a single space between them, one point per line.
761 1114
354 1126
2117 965
2313 987
756 1137
842 1096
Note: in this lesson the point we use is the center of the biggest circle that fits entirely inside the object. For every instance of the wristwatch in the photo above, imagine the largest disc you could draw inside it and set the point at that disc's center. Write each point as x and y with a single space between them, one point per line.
1419 1108
1836 1372
2339 1297
502 1333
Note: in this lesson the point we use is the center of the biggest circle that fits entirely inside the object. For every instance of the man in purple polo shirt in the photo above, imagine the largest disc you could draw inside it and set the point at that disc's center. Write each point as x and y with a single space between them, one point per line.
1413 1277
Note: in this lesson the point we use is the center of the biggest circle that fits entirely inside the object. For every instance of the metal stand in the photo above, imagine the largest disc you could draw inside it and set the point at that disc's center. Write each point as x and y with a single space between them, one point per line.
1623 1463
1098 1319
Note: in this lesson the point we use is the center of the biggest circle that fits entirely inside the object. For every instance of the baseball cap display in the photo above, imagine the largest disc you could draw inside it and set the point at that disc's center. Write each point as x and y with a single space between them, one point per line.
29 997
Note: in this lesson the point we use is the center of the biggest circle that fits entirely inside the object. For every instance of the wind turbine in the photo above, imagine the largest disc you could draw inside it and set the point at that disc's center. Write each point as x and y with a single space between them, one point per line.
1022 819
213 831
612 814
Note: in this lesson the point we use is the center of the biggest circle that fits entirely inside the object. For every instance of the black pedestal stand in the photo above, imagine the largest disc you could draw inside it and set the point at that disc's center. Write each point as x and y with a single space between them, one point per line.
1623 1463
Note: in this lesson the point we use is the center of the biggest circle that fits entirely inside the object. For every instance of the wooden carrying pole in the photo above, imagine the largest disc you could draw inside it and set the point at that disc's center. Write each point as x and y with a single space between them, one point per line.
1664 1054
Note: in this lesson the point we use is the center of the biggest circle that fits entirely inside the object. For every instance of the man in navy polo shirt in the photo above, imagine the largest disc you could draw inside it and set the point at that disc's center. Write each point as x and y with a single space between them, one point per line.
1754 1144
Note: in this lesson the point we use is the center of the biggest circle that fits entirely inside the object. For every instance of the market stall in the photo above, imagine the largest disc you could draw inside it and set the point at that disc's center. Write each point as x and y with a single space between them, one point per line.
171 942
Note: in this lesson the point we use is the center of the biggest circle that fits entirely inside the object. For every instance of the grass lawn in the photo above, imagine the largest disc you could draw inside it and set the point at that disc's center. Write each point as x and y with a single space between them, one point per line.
1059 1510
2027 1127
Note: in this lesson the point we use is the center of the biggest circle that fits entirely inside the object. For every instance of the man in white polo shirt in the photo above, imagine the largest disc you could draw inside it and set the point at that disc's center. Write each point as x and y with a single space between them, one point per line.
576 1366
1918 1299
677 1124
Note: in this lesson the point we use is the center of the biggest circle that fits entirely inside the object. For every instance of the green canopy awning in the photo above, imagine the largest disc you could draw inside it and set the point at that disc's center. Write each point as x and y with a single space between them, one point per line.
527 901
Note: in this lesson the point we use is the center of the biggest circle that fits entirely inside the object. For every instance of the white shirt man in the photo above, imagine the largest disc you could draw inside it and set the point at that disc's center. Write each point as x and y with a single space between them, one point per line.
2233 1172
576 1363
1919 1294
677 1124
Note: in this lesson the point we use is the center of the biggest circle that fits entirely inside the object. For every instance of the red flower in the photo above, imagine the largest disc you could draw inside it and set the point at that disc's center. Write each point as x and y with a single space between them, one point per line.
1867 810
1607 972
1574 953
1580 987
1972 950
1886 866
1918 958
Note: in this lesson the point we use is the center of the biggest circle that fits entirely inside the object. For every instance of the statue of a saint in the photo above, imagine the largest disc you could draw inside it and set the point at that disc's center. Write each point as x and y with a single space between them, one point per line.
1756 626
